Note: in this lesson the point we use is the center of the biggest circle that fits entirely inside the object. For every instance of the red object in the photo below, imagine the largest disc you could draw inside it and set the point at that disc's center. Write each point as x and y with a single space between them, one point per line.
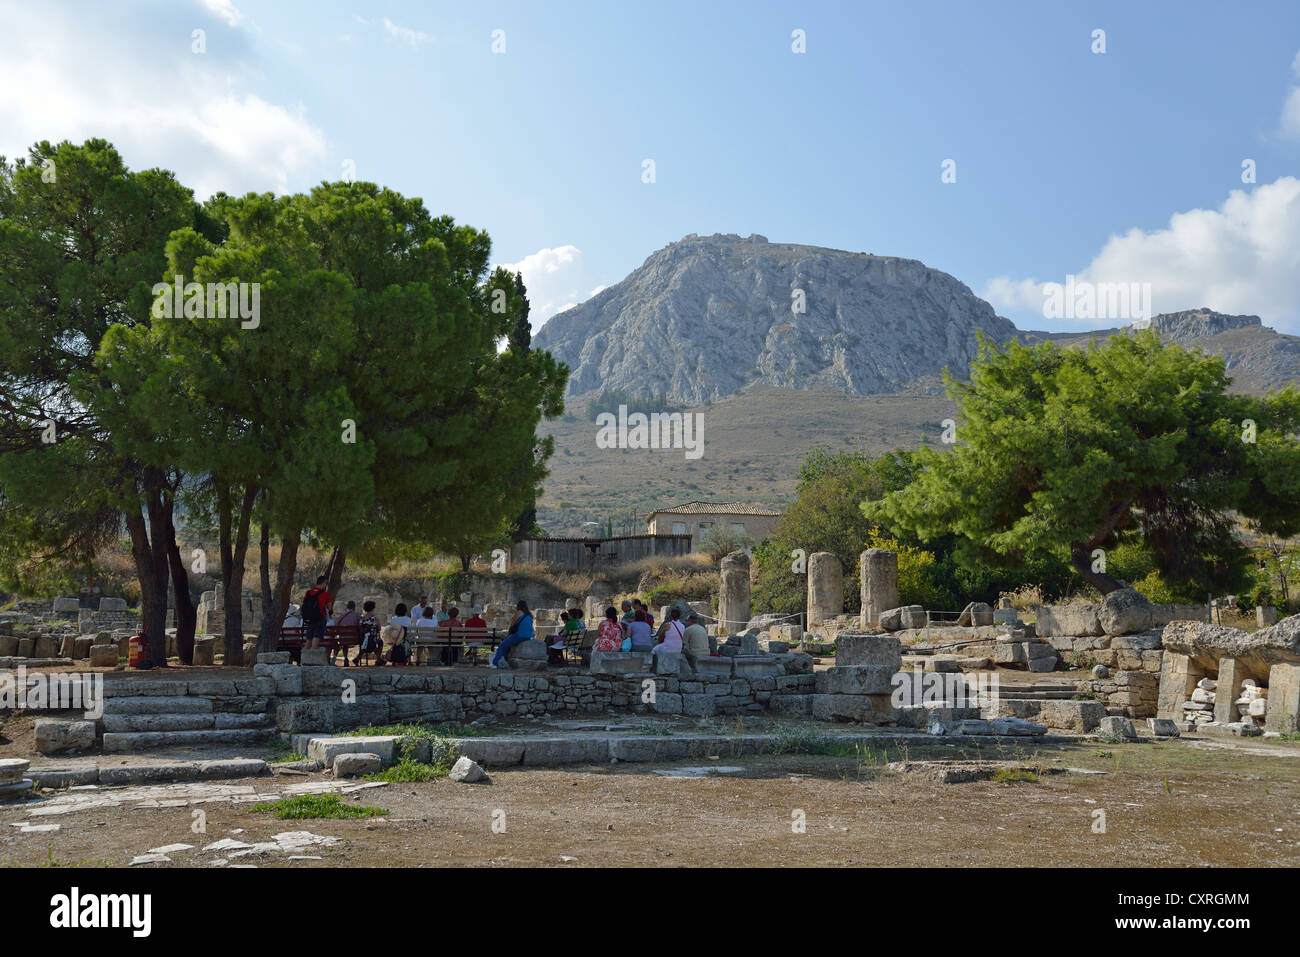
135 650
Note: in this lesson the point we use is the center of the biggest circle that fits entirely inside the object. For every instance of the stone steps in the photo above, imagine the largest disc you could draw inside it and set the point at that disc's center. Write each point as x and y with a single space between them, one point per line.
121 741
157 704
221 721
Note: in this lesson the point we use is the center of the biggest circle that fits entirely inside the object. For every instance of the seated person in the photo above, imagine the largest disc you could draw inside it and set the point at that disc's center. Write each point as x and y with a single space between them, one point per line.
349 619
371 644
695 642
449 653
476 620
397 634
640 633
555 650
291 619
426 626
670 635
610 636
521 629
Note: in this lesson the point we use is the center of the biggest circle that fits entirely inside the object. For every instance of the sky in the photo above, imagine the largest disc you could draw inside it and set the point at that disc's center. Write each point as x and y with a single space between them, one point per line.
535 122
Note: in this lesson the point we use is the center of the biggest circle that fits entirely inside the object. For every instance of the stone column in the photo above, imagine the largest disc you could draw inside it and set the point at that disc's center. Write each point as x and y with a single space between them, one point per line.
879 584
1178 677
733 600
1283 713
825 587
1227 690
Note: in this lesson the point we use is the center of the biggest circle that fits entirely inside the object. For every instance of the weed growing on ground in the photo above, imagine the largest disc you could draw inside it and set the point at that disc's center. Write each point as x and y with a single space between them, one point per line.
1014 776
304 806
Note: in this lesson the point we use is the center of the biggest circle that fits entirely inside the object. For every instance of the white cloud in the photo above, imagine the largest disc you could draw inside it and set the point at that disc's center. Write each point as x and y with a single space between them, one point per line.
224 9
136 83
406 34
553 277
1242 258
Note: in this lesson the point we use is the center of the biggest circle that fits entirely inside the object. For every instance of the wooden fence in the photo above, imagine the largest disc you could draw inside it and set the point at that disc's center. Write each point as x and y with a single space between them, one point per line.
596 553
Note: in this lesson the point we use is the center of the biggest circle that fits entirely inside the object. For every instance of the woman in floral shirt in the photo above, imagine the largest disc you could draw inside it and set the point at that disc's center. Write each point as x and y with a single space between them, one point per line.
610 637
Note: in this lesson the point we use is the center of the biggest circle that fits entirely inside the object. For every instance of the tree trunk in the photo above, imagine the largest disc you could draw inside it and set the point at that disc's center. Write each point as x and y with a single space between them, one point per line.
334 573
283 589
268 632
234 555
142 554
1081 559
187 616
155 616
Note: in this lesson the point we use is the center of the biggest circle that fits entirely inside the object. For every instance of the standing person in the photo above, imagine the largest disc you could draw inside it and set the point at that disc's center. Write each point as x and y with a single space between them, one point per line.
349 619
670 635
315 609
521 629
695 643
610 636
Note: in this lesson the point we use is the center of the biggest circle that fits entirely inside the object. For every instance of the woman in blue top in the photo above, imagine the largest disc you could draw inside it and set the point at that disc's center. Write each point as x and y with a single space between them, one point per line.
640 633
521 629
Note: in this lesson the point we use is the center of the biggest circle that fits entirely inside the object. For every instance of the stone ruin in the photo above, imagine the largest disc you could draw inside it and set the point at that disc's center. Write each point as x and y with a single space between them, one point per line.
1214 677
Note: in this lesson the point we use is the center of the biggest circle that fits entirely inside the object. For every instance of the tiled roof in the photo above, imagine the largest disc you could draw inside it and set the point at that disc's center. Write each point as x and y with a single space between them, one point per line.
714 508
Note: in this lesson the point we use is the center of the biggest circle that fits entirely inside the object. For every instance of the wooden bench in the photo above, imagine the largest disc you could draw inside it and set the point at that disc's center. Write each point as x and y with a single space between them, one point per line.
337 638
473 639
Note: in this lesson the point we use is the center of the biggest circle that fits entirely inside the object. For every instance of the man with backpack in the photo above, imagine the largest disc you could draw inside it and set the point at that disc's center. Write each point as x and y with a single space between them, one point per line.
315 610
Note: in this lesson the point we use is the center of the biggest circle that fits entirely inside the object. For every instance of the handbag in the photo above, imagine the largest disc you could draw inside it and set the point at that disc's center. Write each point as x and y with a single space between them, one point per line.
626 645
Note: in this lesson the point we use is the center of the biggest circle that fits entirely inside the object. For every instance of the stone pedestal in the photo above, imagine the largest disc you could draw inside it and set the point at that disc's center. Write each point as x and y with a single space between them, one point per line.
1228 690
733 601
205 651
825 587
879 584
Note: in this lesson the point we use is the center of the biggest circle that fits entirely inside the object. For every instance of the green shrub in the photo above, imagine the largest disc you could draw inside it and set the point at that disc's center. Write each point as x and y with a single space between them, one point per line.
305 806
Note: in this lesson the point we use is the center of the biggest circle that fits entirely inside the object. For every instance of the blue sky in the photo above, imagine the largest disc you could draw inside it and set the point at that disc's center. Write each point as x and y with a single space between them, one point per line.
1123 165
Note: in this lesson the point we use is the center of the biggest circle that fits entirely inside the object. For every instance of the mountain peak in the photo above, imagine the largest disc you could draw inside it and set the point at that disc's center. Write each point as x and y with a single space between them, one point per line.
708 316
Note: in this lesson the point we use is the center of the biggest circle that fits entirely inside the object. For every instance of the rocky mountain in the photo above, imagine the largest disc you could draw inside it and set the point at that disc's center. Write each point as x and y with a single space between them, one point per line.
1256 358
709 316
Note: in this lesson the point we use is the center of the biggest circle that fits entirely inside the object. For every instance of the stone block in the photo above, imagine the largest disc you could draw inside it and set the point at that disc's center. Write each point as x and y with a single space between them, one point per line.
527 656
1067 620
1123 727
309 657
1162 727
666 703
357 765
699 705
1077 716
878 650
756 666
54 735
871 709
205 651
623 663
286 678
856 680
103 656
1042 665
112 604
1283 713
711 667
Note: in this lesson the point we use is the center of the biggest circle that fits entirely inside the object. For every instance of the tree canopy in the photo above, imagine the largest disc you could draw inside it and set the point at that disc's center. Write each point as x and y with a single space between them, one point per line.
1079 449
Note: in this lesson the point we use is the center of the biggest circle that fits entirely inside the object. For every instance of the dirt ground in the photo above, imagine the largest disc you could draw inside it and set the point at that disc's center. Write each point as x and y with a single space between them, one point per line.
1166 804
